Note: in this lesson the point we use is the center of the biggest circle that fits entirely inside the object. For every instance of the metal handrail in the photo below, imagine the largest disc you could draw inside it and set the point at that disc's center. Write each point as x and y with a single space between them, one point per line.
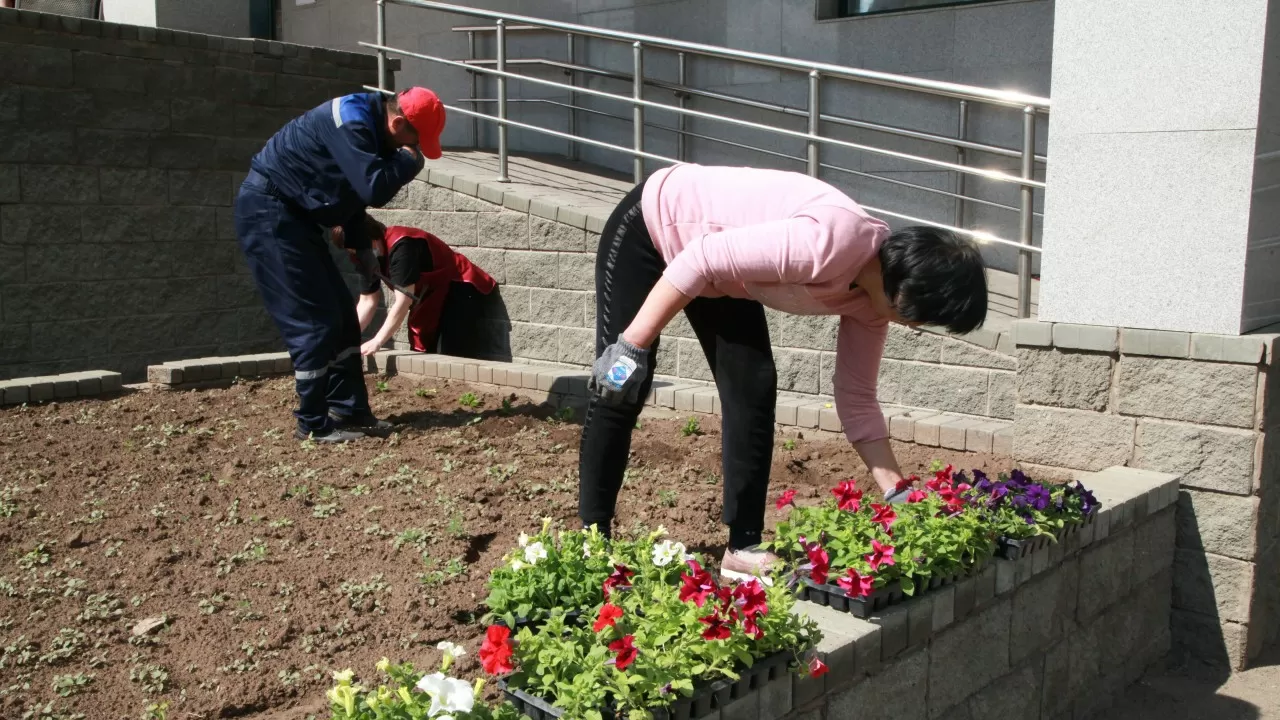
761 105
753 148
642 103
978 235
905 82
812 136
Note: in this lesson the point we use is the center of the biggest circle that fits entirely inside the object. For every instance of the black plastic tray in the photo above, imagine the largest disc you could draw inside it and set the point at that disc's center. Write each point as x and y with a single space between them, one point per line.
573 617
834 597
707 698
1011 549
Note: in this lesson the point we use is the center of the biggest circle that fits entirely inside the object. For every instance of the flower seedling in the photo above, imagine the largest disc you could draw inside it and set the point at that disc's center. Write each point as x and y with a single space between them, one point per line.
691 427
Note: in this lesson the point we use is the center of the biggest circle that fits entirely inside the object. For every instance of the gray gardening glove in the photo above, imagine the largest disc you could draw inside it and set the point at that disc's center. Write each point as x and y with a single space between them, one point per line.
618 373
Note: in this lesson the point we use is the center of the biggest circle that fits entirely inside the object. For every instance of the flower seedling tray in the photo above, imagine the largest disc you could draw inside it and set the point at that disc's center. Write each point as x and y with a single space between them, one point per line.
834 597
707 698
1011 549
573 617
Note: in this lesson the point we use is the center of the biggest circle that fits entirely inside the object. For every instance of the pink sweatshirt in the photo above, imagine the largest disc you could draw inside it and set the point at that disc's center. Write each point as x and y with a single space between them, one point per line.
789 241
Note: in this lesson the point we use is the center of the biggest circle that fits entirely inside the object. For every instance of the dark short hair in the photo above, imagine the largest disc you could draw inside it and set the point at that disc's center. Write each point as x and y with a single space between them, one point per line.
935 277
392 103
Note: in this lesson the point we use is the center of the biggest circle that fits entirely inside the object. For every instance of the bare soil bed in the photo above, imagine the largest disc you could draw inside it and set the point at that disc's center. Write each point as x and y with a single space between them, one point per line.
264 563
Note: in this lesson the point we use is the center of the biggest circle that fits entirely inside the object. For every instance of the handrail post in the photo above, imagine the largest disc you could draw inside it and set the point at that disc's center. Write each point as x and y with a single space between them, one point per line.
382 40
573 98
1026 211
637 110
502 101
682 100
815 117
962 133
475 79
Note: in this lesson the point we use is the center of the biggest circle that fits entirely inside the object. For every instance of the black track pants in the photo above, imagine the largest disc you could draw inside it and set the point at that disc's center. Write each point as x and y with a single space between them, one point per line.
735 339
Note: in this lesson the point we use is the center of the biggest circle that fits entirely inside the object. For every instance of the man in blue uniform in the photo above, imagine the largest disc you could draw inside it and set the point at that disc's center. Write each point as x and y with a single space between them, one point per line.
321 170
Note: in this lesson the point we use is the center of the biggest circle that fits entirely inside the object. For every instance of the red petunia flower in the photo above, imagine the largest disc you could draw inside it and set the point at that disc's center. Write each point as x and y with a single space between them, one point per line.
917 496
817 668
750 627
626 650
619 579
788 498
848 497
881 555
884 515
855 584
750 598
905 483
609 615
496 651
696 586
717 627
819 563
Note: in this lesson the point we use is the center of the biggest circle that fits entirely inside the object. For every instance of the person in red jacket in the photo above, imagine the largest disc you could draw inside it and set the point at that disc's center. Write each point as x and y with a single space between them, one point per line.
420 268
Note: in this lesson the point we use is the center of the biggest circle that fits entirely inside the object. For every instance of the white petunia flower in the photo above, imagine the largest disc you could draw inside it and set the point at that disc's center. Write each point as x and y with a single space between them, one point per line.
448 695
451 650
666 551
535 552
517 564
524 539
586 550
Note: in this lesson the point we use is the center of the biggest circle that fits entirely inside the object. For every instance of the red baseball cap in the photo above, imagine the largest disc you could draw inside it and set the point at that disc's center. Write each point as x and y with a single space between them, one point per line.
424 111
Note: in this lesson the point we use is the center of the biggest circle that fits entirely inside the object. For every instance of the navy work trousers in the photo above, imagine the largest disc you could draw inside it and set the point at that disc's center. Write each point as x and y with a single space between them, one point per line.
307 298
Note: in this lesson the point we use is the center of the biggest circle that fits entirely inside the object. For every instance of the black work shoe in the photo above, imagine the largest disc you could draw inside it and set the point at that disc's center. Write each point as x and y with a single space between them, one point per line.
335 435
362 424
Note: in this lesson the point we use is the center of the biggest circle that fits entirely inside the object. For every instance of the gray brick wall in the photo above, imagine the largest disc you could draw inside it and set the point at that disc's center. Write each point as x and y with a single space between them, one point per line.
122 150
1201 406
546 270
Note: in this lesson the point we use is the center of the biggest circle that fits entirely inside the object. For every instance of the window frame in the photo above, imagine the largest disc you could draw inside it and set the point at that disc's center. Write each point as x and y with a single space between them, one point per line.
843 12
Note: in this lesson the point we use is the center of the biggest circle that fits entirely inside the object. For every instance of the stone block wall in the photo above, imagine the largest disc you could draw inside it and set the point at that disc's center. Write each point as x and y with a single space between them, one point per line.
1197 405
541 248
122 148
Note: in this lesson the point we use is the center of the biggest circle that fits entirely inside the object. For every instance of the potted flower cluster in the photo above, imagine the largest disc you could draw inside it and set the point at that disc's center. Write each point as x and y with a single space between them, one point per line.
1029 515
568 572
411 695
664 639
861 556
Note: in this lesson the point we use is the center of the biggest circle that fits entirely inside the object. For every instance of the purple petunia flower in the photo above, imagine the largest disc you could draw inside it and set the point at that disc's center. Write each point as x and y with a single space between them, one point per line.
980 481
1018 480
1089 503
1029 519
1038 497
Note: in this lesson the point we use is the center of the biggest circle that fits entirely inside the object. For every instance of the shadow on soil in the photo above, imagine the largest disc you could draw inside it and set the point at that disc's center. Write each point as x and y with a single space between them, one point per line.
428 419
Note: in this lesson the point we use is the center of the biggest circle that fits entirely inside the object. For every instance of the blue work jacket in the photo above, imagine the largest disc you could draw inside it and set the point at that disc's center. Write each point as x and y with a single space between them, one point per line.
334 161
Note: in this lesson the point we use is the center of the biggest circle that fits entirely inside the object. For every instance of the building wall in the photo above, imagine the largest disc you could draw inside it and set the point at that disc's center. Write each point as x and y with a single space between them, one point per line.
123 148
215 17
1004 45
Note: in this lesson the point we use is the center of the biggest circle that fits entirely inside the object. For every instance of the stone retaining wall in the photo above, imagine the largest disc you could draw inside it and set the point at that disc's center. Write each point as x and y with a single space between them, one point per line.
121 149
1197 405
